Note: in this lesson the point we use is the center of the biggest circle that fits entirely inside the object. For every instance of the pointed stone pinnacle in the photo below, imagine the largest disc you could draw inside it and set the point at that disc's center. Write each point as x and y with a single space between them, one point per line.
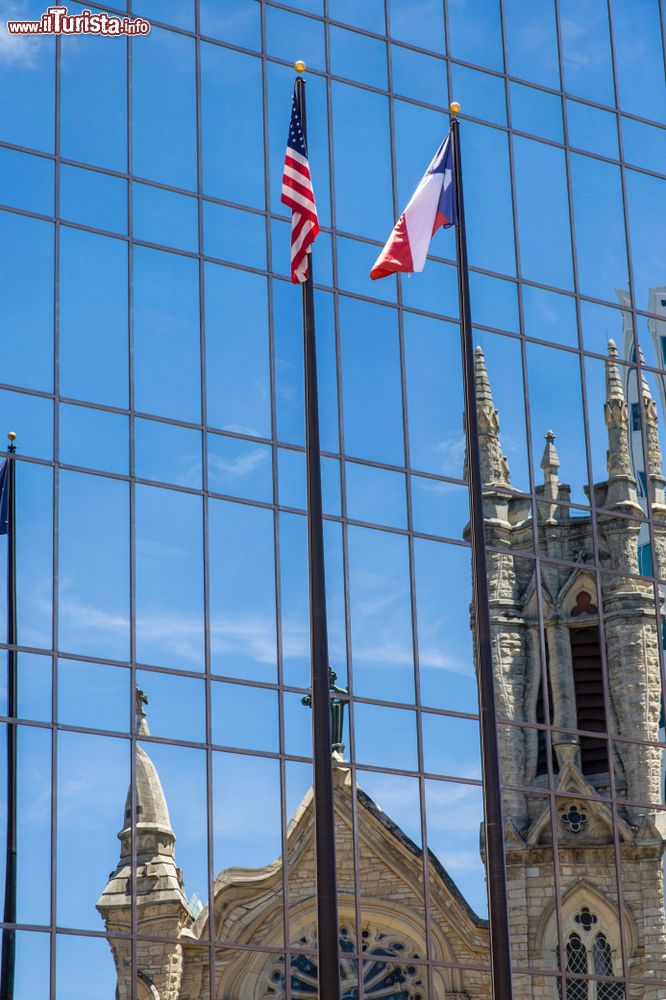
644 381
613 381
494 467
550 460
483 393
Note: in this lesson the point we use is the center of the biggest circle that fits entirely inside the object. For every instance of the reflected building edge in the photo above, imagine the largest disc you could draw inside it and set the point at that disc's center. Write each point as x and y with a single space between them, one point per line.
601 679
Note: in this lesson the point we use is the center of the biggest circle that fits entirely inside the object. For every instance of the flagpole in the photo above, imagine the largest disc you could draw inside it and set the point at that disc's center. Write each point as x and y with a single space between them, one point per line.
327 902
8 960
492 794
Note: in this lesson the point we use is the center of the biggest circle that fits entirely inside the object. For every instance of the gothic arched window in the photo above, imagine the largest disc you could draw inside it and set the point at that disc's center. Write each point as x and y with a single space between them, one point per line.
603 966
388 972
577 989
594 961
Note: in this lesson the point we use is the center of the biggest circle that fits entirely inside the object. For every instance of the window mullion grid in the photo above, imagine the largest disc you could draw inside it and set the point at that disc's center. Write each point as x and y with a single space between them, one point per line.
284 818
55 554
356 848
594 523
132 528
410 537
344 530
531 453
210 833
646 462
656 568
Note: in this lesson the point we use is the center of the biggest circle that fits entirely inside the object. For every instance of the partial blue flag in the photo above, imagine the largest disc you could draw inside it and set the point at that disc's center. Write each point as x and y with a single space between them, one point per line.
4 497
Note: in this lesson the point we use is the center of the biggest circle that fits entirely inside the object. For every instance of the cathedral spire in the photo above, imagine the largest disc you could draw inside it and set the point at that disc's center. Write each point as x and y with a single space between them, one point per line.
655 470
158 880
494 465
621 480
152 812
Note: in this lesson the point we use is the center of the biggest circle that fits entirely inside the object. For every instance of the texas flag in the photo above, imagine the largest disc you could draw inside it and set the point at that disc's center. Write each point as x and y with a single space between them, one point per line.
432 205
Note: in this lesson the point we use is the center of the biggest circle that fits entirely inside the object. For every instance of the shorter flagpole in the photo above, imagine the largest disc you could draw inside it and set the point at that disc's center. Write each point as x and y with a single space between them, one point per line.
324 807
500 945
8 957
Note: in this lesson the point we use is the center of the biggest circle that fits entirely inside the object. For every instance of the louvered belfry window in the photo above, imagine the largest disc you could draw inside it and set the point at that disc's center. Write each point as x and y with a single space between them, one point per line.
589 688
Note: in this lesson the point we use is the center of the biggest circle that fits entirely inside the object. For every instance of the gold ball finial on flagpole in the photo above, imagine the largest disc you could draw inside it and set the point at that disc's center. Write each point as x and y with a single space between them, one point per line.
300 66
12 436
454 108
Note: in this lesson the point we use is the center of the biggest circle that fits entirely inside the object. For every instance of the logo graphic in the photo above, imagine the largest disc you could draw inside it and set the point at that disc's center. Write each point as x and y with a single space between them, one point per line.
57 21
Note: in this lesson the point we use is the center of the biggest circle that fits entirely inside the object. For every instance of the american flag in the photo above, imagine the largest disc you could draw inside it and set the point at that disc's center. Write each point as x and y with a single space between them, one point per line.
298 195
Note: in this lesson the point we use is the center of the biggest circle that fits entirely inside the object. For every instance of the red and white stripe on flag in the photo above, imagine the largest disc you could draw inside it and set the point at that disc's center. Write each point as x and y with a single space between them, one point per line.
298 195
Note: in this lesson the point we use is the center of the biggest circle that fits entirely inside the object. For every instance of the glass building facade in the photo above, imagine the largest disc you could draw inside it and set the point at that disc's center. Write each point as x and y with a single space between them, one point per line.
152 368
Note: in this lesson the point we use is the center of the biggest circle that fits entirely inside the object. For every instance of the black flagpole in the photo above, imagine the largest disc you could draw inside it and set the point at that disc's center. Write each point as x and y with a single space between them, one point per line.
7 970
327 903
492 794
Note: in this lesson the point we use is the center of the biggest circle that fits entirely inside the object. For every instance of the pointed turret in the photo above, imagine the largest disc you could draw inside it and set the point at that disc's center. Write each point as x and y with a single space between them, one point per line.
654 462
160 899
494 465
152 813
621 480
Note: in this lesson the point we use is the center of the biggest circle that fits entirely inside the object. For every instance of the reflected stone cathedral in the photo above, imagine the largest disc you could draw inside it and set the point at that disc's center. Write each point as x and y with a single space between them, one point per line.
555 677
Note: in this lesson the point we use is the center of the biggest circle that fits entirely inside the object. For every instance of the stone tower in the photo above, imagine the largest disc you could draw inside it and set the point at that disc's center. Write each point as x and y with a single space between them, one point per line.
590 633
161 906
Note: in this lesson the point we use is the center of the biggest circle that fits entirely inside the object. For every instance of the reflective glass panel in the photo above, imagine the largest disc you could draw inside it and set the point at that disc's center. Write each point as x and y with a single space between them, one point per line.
165 217
232 21
167 453
237 364
93 297
242 591
167 378
26 281
545 238
94 566
27 181
371 382
475 32
592 129
586 55
94 439
27 77
93 101
426 31
231 117
638 51
382 648
93 199
531 32
169 578
164 121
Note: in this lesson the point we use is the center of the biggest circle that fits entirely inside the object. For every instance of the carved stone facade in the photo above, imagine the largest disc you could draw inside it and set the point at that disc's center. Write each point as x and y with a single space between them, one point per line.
558 675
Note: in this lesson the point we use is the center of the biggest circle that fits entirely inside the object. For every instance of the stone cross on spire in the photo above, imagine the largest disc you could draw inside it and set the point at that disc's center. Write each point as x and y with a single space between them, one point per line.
338 699
141 700
494 465
621 479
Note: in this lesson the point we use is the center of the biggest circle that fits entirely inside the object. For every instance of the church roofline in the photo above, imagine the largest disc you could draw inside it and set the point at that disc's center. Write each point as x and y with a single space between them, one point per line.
229 877
411 846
